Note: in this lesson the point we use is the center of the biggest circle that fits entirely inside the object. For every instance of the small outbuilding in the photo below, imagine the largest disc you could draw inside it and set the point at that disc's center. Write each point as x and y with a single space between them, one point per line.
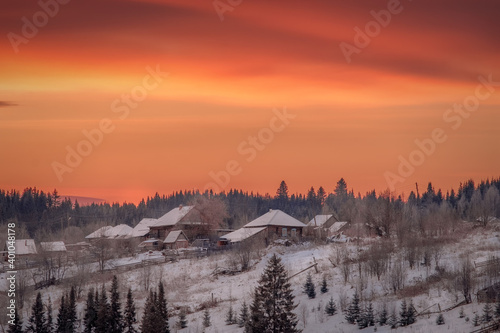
53 247
176 240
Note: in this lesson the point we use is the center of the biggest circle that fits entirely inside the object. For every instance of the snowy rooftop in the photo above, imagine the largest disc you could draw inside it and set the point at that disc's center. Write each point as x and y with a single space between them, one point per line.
173 217
319 220
142 228
100 233
53 246
242 234
149 241
172 236
24 246
276 218
119 231
337 226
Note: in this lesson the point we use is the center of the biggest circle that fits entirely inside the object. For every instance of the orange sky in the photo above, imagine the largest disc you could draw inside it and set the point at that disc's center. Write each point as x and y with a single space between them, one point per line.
350 119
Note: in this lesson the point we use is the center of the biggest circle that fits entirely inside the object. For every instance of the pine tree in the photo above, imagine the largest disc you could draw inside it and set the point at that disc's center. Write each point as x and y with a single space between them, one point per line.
230 317
16 325
182 323
62 316
497 307
37 321
309 287
487 317
71 311
331 308
440 319
50 320
130 316
393 319
90 318
475 320
362 322
369 316
115 315
324 286
403 314
353 311
244 316
382 319
103 311
206 318
149 319
162 310
273 303
411 313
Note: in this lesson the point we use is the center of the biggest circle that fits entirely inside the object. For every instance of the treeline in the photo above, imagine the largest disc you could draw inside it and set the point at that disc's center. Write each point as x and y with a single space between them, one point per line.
36 209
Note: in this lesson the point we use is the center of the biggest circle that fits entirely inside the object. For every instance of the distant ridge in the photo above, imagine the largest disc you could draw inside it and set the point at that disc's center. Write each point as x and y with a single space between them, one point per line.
83 201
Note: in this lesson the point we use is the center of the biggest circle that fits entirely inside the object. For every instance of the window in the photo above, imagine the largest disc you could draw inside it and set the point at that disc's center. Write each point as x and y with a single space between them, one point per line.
294 232
283 232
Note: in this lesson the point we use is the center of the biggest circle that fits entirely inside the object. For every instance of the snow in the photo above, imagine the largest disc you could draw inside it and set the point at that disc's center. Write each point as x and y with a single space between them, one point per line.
173 217
119 231
242 234
173 236
24 246
336 227
275 218
99 233
53 246
142 228
319 220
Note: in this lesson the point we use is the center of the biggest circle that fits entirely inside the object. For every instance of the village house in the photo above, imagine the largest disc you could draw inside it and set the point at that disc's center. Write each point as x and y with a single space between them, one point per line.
326 225
53 247
142 230
184 218
176 240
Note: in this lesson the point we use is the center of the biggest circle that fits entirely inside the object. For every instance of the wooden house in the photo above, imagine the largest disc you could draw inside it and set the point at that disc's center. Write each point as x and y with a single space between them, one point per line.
176 240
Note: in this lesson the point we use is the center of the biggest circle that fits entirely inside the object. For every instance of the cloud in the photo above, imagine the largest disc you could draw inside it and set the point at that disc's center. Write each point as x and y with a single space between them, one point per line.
4 104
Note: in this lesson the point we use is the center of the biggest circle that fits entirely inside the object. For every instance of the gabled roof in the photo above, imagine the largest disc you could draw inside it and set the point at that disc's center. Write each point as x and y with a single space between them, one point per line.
100 233
173 236
275 218
337 226
242 234
142 228
24 246
53 246
319 220
119 231
173 217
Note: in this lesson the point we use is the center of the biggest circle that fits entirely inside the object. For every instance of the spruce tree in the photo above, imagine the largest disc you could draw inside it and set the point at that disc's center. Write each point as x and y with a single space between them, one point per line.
230 316
353 311
90 318
331 308
103 311
324 286
369 316
487 317
182 323
273 303
244 316
150 316
475 320
393 319
50 320
411 313
403 314
382 319
115 315
162 310
206 318
16 325
62 316
440 319
71 311
497 307
130 316
37 321
309 287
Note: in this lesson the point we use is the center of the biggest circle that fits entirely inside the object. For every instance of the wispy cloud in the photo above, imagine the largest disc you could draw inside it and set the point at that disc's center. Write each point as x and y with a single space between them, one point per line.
4 104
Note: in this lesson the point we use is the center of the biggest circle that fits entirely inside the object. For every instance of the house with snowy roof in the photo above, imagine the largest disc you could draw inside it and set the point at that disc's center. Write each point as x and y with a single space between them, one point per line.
53 247
120 231
327 225
273 224
176 239
180 218
23 248
142 229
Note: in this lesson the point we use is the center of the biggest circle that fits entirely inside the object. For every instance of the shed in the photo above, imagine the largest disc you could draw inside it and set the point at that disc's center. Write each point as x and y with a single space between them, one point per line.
242 234
176 240
53 246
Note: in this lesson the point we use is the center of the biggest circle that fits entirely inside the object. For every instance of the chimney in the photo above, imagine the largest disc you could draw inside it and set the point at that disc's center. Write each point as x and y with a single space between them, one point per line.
180 207
270 210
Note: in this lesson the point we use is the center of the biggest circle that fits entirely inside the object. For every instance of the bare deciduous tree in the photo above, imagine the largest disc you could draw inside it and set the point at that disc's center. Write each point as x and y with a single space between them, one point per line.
465 279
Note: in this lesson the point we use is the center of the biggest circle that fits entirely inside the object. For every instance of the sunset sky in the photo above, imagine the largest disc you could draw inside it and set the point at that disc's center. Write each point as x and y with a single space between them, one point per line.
228 80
